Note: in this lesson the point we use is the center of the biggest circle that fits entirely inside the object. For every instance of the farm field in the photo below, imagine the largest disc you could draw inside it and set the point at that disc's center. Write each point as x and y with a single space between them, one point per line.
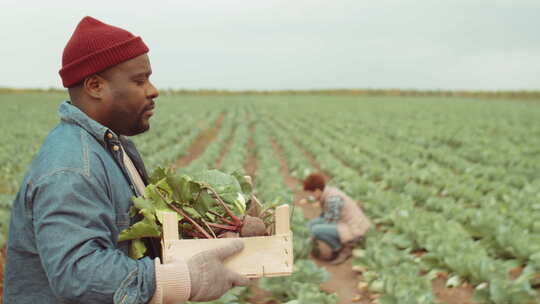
452 184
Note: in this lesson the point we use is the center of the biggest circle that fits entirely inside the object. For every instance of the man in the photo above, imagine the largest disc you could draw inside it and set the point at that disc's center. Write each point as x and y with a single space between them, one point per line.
341 223
63 240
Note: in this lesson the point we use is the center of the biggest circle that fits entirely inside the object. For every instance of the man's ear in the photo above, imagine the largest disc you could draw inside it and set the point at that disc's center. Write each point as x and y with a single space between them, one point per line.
95 86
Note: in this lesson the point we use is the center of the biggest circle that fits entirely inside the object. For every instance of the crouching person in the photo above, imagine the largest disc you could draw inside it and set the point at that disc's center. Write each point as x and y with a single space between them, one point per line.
341 223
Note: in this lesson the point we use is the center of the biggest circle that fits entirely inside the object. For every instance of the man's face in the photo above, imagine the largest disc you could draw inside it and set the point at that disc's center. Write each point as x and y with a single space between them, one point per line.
128 101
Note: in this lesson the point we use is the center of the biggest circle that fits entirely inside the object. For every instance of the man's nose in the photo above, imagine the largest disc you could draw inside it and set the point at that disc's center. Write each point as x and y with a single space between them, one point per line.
153 91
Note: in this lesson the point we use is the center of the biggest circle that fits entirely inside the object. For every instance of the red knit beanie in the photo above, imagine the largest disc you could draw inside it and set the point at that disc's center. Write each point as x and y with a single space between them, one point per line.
95 46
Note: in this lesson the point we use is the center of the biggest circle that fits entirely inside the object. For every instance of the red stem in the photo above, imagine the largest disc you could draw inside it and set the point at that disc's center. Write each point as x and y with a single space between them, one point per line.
222 218
226 227
185 215
236 220
209 228
195 233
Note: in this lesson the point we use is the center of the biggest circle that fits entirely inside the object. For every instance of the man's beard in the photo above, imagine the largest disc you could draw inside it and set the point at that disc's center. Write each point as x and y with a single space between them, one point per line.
140 126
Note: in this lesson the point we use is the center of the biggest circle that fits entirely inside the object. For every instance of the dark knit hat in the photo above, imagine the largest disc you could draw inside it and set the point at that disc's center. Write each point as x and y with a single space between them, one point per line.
96 46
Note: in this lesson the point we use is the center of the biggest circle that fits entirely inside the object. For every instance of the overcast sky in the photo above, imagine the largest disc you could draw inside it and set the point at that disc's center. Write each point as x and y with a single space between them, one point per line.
294 44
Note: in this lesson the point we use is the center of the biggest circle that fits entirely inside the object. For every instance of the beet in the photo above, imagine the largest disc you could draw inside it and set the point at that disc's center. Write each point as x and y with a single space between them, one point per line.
252 226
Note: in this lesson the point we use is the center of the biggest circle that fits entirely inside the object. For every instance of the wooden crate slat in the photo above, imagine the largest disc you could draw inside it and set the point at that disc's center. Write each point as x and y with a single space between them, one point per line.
264 256
282 219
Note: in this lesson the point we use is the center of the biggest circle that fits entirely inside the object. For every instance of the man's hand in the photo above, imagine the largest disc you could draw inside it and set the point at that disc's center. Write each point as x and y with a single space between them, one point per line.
210 279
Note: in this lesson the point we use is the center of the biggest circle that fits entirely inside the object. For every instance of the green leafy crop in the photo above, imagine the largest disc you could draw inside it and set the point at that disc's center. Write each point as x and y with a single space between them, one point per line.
207 203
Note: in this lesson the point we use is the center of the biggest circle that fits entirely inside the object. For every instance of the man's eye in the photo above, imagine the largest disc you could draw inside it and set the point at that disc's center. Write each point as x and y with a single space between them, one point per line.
140 82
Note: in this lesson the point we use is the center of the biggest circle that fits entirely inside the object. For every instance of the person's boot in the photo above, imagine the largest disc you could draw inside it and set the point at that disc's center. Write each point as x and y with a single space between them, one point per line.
323 251
344 254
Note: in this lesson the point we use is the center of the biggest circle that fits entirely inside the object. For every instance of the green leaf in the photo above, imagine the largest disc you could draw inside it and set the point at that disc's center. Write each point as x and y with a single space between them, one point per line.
145 228
386 299
137 249
240 203
143 203
224 184
183 190
158 174
204 203
245 185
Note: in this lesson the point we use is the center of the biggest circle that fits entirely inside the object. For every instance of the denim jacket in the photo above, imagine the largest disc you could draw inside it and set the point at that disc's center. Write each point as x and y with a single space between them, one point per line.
74 200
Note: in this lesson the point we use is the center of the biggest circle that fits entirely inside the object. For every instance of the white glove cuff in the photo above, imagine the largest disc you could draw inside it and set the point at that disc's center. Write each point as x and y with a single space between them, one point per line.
173 284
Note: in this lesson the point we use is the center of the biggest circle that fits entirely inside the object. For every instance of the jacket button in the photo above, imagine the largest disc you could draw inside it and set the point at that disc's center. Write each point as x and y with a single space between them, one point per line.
109 136
116 148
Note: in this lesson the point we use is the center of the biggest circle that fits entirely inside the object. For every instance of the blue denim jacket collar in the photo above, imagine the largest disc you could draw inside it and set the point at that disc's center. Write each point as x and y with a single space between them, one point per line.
71 114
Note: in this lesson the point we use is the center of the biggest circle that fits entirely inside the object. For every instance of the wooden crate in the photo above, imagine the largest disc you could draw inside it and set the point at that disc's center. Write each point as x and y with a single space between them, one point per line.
263 256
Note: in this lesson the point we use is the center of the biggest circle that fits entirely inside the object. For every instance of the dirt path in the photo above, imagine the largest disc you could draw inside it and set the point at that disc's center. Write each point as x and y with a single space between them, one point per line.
224 150
462 294
200 143
343 280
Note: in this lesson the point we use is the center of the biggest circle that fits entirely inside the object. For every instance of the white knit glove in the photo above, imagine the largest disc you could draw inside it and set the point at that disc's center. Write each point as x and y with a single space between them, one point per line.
202 278
210 279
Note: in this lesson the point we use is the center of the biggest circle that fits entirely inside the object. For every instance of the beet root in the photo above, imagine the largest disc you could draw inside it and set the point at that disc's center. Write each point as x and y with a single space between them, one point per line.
252 226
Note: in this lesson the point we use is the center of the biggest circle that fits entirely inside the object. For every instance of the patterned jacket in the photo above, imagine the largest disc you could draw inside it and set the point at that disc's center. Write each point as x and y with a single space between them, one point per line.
339 207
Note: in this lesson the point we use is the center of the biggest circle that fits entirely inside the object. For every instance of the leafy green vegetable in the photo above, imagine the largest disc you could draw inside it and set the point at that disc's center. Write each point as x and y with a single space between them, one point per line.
207 204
